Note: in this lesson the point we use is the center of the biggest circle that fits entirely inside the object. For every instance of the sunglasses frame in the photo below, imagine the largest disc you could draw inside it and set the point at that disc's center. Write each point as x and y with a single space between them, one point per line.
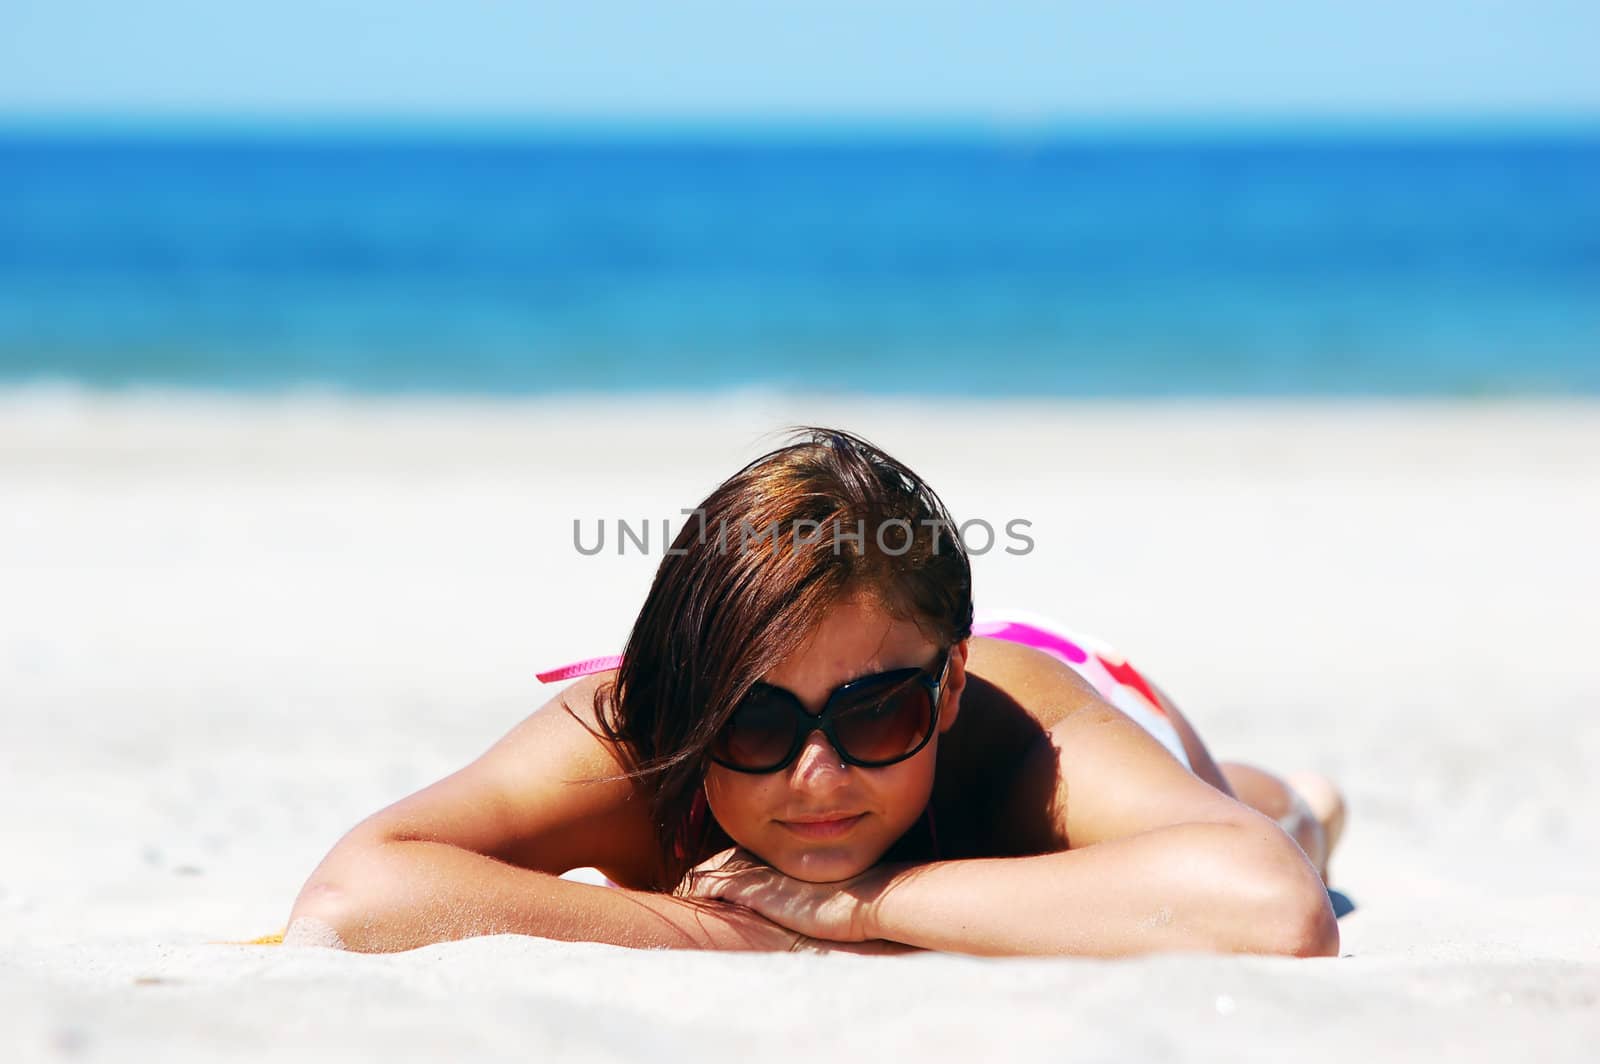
823 721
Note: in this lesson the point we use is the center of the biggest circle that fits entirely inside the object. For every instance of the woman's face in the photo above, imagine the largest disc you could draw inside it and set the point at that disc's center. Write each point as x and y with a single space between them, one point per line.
766 813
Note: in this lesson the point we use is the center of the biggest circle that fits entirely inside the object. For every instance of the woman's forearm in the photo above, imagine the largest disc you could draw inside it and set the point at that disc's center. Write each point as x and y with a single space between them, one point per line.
1205 886
381 897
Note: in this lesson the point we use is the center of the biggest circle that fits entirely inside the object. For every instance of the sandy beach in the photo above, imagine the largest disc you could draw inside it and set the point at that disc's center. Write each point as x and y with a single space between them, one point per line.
230 628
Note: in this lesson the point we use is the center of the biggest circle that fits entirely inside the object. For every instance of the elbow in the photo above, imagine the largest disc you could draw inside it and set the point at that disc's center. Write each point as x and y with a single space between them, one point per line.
1319 927
1298 919
343 904
321 917
1287 911
1302 925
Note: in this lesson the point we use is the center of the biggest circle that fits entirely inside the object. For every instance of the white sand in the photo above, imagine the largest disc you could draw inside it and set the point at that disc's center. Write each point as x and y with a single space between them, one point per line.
229 630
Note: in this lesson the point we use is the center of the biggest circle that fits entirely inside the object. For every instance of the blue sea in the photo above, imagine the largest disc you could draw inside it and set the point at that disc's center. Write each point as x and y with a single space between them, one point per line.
1093 263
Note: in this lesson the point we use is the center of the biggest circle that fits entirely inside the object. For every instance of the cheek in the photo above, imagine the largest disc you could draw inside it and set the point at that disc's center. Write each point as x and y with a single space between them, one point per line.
905 790
737 800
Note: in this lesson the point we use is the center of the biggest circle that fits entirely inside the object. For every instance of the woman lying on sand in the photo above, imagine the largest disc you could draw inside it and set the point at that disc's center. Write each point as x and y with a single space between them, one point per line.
809 742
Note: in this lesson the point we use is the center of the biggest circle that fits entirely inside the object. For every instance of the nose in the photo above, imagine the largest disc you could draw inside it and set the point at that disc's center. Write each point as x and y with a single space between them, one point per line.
819 767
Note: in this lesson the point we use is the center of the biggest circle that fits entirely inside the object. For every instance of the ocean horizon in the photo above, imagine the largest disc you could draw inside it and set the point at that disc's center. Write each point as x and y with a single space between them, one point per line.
1139 262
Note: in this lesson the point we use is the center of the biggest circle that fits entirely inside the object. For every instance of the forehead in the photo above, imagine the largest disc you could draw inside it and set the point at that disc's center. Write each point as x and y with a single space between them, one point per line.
857 637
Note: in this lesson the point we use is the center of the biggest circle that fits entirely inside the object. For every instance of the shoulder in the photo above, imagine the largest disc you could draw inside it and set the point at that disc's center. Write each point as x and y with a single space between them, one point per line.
556 790
1078 770
997 761
569 727
1010 680
587 698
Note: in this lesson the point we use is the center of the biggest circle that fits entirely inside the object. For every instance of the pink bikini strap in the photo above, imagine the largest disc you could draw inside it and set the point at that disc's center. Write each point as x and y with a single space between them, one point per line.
1033 636
580 668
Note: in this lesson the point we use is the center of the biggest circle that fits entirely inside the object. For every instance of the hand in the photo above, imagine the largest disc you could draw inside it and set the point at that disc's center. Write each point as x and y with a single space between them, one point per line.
833 912
733 926
872 947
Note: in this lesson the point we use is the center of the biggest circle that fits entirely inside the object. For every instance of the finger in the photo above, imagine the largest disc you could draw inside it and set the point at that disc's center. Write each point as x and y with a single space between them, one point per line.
740 888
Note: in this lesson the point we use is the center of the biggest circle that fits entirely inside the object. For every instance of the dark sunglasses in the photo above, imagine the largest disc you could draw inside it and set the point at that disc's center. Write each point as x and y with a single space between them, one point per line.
872 721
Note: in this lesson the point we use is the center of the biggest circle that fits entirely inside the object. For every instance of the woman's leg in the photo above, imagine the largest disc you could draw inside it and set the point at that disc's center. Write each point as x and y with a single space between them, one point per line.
1326 802
1307 804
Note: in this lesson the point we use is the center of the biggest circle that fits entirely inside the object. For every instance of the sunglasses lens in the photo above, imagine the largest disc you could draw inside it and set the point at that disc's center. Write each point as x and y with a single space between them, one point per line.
760 732
883 725
877 720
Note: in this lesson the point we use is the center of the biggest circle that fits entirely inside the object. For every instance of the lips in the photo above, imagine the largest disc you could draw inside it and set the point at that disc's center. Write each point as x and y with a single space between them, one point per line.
827 826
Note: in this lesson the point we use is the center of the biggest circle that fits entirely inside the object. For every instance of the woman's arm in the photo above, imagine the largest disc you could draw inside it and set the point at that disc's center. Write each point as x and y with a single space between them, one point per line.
384 895
480 852
1138 855
1217 887
1222 887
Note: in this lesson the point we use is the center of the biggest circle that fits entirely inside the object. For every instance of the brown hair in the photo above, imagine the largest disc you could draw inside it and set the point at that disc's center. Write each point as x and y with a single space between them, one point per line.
753 572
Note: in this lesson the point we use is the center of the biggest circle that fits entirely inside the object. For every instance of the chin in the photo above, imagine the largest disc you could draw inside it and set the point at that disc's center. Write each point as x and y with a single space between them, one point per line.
824 866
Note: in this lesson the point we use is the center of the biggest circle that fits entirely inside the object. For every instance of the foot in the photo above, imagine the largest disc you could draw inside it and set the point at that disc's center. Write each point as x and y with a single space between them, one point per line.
1326 802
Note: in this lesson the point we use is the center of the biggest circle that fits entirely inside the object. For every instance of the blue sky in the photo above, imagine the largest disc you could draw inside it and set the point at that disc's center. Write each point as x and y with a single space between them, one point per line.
863 60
